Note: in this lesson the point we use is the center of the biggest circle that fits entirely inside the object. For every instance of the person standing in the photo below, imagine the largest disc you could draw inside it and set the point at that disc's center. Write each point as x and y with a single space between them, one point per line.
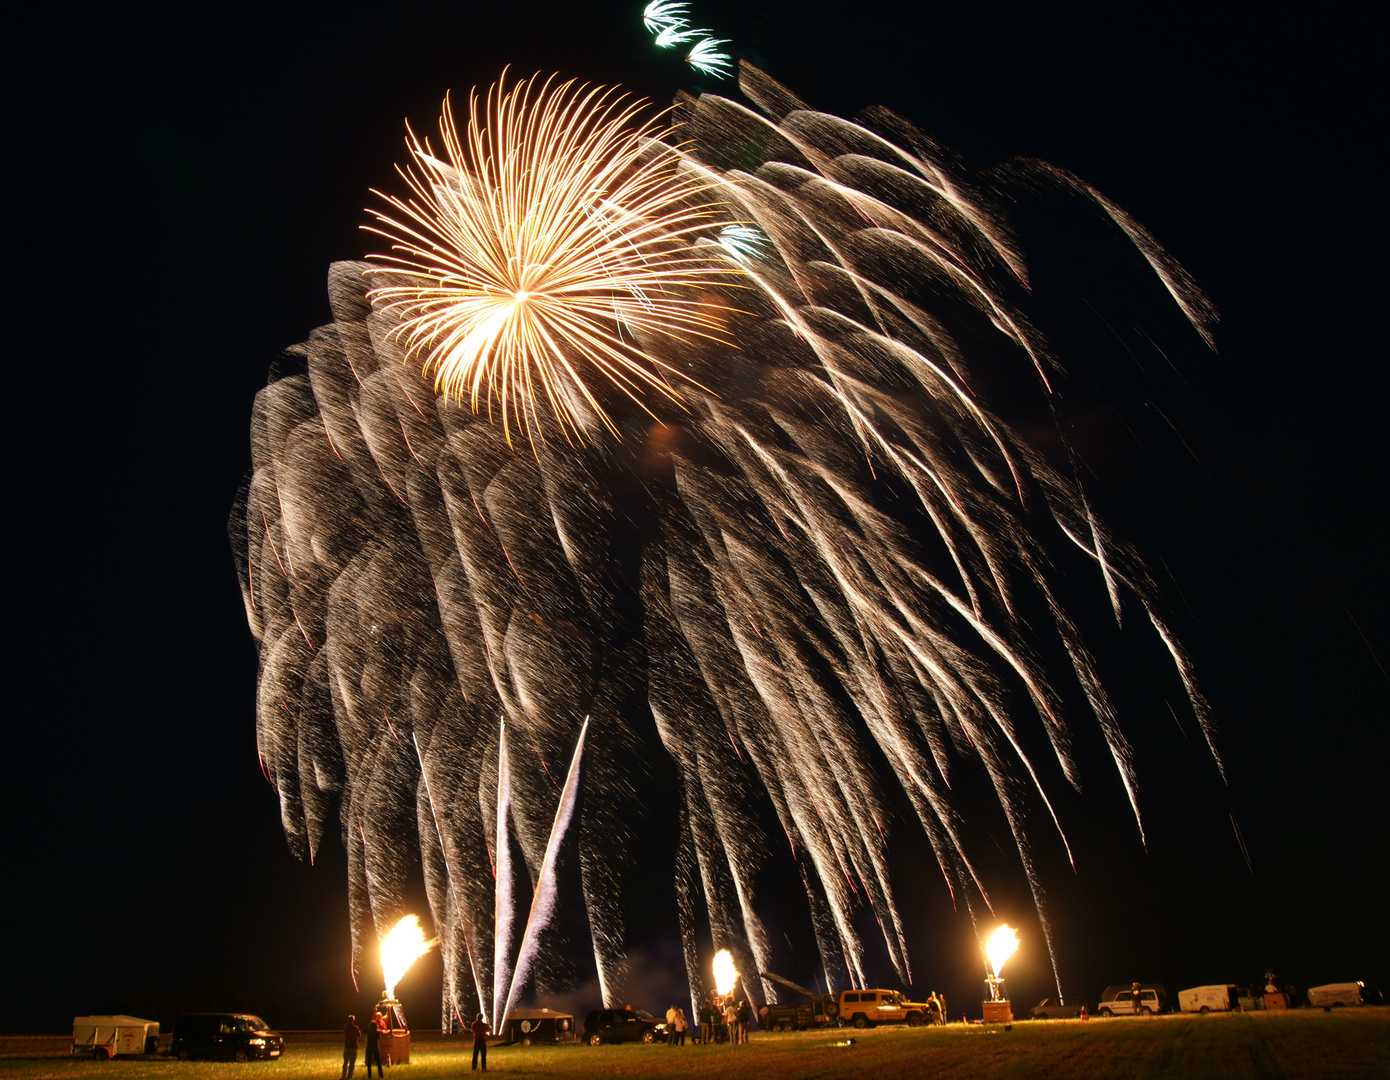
479 1030
681 1025
707 1022
671 1026
351 1032
374 1049
745 1017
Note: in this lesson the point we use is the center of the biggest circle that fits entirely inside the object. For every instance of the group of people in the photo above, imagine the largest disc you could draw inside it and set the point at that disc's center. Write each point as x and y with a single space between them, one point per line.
725 1016
377 1026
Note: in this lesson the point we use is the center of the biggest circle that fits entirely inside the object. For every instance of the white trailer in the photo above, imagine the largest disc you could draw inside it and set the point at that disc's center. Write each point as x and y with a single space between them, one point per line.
1206 999
1330 994
106 1036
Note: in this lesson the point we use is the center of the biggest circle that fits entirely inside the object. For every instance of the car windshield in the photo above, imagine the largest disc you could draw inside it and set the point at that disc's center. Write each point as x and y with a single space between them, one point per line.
642 1014
252 1023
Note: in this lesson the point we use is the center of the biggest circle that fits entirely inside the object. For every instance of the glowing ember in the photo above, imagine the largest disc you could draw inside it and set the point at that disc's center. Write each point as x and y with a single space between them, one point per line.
725 974
1003 943
405 944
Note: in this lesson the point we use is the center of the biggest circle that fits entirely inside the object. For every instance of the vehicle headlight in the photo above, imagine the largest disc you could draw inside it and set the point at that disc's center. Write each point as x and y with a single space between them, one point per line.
257 1042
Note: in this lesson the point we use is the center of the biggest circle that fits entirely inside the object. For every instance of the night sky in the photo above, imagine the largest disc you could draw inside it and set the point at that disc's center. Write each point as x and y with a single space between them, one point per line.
181 177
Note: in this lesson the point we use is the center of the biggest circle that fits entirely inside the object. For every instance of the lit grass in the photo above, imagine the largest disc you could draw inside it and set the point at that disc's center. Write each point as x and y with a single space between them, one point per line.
1303 1043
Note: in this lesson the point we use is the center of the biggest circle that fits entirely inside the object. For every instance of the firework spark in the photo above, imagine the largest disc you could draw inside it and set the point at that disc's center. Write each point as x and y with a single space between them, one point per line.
662 15
743 242
668 37
824 589
554 235
707 58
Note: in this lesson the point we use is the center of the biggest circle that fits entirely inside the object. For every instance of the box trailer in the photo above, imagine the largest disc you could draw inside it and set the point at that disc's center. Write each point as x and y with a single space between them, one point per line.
1330 994
1207 999
106 1036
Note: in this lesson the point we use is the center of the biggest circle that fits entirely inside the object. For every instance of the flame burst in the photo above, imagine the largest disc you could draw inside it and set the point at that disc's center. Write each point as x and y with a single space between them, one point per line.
553 237
400 948
725 974
1003 943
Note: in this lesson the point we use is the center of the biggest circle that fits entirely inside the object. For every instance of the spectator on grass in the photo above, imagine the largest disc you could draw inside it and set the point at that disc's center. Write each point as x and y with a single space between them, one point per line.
681 1025
745 1016
479 1041
350 1034
374 1049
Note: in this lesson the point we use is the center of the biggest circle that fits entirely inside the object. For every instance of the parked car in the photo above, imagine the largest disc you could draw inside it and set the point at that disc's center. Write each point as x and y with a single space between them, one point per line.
1047 1009
1124 1004
869 1008
623 1025
232 1036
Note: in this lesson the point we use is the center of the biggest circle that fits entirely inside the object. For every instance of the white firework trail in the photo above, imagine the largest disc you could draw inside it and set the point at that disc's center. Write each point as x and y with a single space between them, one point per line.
824 585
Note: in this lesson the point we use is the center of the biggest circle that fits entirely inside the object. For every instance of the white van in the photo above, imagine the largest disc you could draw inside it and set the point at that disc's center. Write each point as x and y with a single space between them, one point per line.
1330 994
1206 999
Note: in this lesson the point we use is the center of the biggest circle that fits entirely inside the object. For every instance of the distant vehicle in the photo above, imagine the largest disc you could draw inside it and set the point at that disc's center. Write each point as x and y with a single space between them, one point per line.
1123 1003
528 1026
623 1025
106 1036
869 1008
1207 999
232 1036
1331 995
817 1010
1047 1009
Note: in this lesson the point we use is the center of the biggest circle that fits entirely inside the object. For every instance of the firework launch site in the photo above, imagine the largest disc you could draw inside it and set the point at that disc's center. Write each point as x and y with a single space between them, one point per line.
1351 1042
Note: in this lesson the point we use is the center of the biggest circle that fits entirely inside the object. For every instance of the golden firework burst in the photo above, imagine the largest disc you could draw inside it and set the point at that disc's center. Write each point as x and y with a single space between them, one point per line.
543 245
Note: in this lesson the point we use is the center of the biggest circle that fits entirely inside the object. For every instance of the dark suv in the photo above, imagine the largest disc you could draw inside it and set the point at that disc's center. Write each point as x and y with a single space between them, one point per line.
233 1036
623 1025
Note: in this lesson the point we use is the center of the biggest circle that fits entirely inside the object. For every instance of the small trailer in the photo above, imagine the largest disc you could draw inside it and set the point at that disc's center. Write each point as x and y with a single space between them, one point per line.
530 1026
1331 995
106 1036
1208 999
816 1010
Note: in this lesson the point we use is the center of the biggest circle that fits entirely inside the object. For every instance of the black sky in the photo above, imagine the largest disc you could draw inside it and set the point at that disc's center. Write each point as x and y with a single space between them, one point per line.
181 176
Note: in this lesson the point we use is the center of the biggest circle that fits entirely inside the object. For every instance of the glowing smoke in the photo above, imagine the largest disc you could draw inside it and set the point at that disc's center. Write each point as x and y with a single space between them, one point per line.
823 586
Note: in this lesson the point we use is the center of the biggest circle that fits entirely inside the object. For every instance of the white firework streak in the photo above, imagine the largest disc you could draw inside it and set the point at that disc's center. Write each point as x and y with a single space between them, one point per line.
400 559
663 14
707 58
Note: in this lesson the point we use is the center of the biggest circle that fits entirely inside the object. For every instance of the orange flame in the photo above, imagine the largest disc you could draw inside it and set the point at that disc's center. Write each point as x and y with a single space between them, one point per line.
400 948
725 974
1003 943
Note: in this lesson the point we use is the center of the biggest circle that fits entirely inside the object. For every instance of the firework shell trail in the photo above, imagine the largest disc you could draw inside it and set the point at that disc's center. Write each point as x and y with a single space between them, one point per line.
773 653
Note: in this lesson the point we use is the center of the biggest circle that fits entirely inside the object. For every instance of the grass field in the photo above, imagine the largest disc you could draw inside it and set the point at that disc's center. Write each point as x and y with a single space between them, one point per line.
1304 1043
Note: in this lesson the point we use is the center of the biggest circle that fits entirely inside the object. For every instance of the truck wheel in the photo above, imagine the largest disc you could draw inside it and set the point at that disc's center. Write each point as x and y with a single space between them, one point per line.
240 1055
832 1009
595 1039
860 1021
185 1055
1204 1010
914 1019
101 1054
1147 1011
1106 1013
649 1037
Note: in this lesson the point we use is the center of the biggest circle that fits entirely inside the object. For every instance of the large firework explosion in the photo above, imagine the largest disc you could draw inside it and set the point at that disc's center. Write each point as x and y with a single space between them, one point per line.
794 610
